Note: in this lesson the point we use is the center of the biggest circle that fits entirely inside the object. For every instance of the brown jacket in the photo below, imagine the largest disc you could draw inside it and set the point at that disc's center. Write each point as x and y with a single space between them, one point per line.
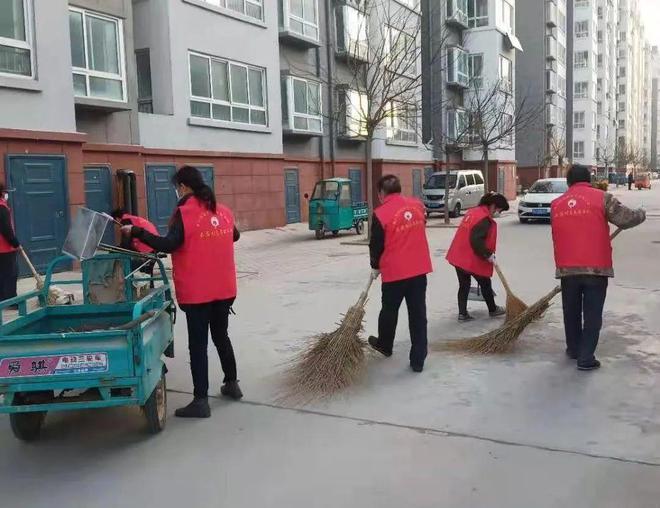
619 215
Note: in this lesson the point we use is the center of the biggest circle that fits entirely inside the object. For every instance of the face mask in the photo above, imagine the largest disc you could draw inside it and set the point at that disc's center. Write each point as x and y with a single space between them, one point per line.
5 196
176 191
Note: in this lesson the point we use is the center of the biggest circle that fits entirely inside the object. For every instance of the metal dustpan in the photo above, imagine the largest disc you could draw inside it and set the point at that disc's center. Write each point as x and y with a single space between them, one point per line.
85 234
476 296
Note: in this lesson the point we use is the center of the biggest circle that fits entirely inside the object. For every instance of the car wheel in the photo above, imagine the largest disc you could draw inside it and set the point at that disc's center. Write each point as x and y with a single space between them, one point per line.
457 211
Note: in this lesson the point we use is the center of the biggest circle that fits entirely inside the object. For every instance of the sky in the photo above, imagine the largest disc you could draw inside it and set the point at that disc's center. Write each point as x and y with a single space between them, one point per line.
651 16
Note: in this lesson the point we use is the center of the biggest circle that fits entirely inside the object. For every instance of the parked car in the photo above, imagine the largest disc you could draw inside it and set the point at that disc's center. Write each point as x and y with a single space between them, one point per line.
535 204
464 190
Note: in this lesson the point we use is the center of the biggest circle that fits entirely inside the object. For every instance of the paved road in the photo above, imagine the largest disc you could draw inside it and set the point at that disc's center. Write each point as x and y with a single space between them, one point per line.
522 430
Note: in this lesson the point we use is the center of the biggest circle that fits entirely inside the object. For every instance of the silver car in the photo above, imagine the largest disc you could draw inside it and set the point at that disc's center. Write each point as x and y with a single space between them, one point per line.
464 188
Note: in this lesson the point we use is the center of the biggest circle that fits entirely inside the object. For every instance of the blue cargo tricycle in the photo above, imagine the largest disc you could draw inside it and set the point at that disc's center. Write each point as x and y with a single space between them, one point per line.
106 351
331 208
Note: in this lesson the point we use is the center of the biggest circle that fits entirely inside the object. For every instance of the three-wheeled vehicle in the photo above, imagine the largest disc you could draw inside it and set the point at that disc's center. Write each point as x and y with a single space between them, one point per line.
331 208
643 181
106 351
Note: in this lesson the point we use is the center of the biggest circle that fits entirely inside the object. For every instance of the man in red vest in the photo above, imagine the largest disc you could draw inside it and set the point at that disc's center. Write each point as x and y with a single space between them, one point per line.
9 246
583 256
400 253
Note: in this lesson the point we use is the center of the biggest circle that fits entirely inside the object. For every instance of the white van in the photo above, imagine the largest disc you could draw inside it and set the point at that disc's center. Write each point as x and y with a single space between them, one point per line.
466 188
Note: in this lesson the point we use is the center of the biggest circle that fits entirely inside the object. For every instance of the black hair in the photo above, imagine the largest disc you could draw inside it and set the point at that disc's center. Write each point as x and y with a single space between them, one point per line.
191 177
494 198
3 188
578 174
389 184
117 213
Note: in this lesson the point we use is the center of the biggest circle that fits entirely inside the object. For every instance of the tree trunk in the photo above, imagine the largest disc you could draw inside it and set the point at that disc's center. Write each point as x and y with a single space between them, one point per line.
370 183
446 194
486 176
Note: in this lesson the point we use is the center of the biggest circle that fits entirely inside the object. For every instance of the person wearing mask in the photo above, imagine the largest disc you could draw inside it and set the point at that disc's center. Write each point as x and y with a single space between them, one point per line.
399 253
201 240
583 258
472 253
9 246
129 243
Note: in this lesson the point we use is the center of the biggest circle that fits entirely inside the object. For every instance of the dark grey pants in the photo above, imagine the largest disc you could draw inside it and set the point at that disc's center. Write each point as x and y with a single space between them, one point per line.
583 299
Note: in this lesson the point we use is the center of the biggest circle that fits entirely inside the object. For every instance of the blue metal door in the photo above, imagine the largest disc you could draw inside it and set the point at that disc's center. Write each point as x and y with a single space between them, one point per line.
207 175
355 176
98 195
38 198
161 197
417 183
292 196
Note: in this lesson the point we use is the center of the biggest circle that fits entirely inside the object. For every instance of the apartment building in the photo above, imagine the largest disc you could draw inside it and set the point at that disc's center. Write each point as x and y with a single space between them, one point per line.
655 108
103 100
478 43
541 82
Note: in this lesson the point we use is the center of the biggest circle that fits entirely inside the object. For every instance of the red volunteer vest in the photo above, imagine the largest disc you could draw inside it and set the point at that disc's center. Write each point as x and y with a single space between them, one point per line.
406 253
144 224
580 230
203 267
461 254
5 246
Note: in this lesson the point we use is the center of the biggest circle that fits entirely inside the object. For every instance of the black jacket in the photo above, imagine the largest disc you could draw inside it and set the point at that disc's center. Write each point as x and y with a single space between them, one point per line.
6 228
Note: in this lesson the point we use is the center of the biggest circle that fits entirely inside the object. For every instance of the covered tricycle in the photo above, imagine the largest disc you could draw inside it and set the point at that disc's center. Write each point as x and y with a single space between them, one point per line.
105 351
643 181
331 208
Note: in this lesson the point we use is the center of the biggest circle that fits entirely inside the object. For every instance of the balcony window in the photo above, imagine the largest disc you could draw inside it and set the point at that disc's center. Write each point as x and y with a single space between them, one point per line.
352 32
145 95
506 74
457 67
581 29
581 59
551 81
581 3
581 90
301 17
551 47
457 124
578 120
402 52
578 150
505 17
402 123
457 12
353 108
561 53
551 14
303 105
97 55
15 38
477 13
227 91
252 8
476 69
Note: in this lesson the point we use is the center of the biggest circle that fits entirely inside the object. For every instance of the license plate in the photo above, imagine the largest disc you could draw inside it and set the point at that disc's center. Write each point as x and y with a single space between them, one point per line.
539 211
56 365
432 205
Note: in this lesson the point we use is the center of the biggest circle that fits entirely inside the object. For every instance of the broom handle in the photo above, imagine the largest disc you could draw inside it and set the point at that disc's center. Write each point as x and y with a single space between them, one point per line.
35 274
503 279
363 297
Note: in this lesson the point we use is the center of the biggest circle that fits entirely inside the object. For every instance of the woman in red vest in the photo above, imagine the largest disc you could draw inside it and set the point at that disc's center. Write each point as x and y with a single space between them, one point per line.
201 239
9 246
472 253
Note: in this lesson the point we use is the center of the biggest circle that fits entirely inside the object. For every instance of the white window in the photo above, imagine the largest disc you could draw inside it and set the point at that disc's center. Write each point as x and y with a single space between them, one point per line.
506 74
507 128
506 17
476 69
15 38
402 123
561 85
354 107
581 59
581 29
477 13
304 105
581 90
561 53
593 121
457 67
581 3
578 120
402 52
578 149
302 17
97 55
457 126
251 8
352 32
228 91
457 10
599 108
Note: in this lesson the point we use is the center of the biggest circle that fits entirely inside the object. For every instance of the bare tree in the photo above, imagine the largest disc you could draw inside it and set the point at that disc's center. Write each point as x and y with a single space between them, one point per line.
606 156
557 146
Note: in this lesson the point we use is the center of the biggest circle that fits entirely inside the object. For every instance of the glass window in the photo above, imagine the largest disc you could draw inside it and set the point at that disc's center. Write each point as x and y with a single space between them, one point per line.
578 149
470 179
403 123
227 91
437 181
302 17
476 68
581 29
478 179
578 120
402 50
477 13
305 96
506 73
326 190
506 17
354 107
353 32
251 8
581 59
97 55
15 40
345 196
549 187
581 90
143 64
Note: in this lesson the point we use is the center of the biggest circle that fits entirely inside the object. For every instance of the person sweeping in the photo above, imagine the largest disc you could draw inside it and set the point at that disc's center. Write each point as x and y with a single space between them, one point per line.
583 258
201 239
399 252
9 246
472 253
129 243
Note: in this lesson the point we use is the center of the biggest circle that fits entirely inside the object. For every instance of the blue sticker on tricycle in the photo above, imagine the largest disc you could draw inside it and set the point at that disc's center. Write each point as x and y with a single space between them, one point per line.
56 365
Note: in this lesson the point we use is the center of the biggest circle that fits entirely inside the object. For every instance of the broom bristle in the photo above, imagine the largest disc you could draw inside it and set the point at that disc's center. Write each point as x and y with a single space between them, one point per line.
514 307
331 362
502 339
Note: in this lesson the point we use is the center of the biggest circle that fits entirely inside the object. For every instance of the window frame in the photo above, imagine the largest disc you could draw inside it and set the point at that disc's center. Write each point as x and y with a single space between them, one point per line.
586 61
355 48
292 114
477 21
230 104
288 15
28 44
121 57
478 81
579 115
395 128
410 68
586 90
351 114
575 152
507 84
583 32
222 4
511 25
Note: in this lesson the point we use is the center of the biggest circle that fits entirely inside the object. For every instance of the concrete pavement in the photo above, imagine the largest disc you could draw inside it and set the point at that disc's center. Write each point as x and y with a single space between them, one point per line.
521 430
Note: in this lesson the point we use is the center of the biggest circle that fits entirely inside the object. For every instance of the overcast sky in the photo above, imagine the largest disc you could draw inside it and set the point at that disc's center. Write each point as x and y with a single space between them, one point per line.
651 17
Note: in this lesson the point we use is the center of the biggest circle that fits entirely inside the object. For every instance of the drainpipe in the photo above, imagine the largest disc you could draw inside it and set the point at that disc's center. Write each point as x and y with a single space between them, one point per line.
317 58
329 45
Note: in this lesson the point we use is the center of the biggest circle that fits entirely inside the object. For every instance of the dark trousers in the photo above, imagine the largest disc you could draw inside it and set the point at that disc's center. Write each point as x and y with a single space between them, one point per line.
201 317
630 184
583 298
8 275
414 292
464 281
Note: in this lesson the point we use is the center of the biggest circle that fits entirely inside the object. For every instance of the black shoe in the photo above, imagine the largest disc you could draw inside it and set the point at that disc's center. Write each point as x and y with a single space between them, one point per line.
231 390
464 318
373 342
499 311
593 365
571 355
198 408
417 368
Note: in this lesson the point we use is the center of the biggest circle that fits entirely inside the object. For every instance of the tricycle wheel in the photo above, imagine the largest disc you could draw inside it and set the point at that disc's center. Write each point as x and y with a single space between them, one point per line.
155 409
335 233
359 227
319 233
27 426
